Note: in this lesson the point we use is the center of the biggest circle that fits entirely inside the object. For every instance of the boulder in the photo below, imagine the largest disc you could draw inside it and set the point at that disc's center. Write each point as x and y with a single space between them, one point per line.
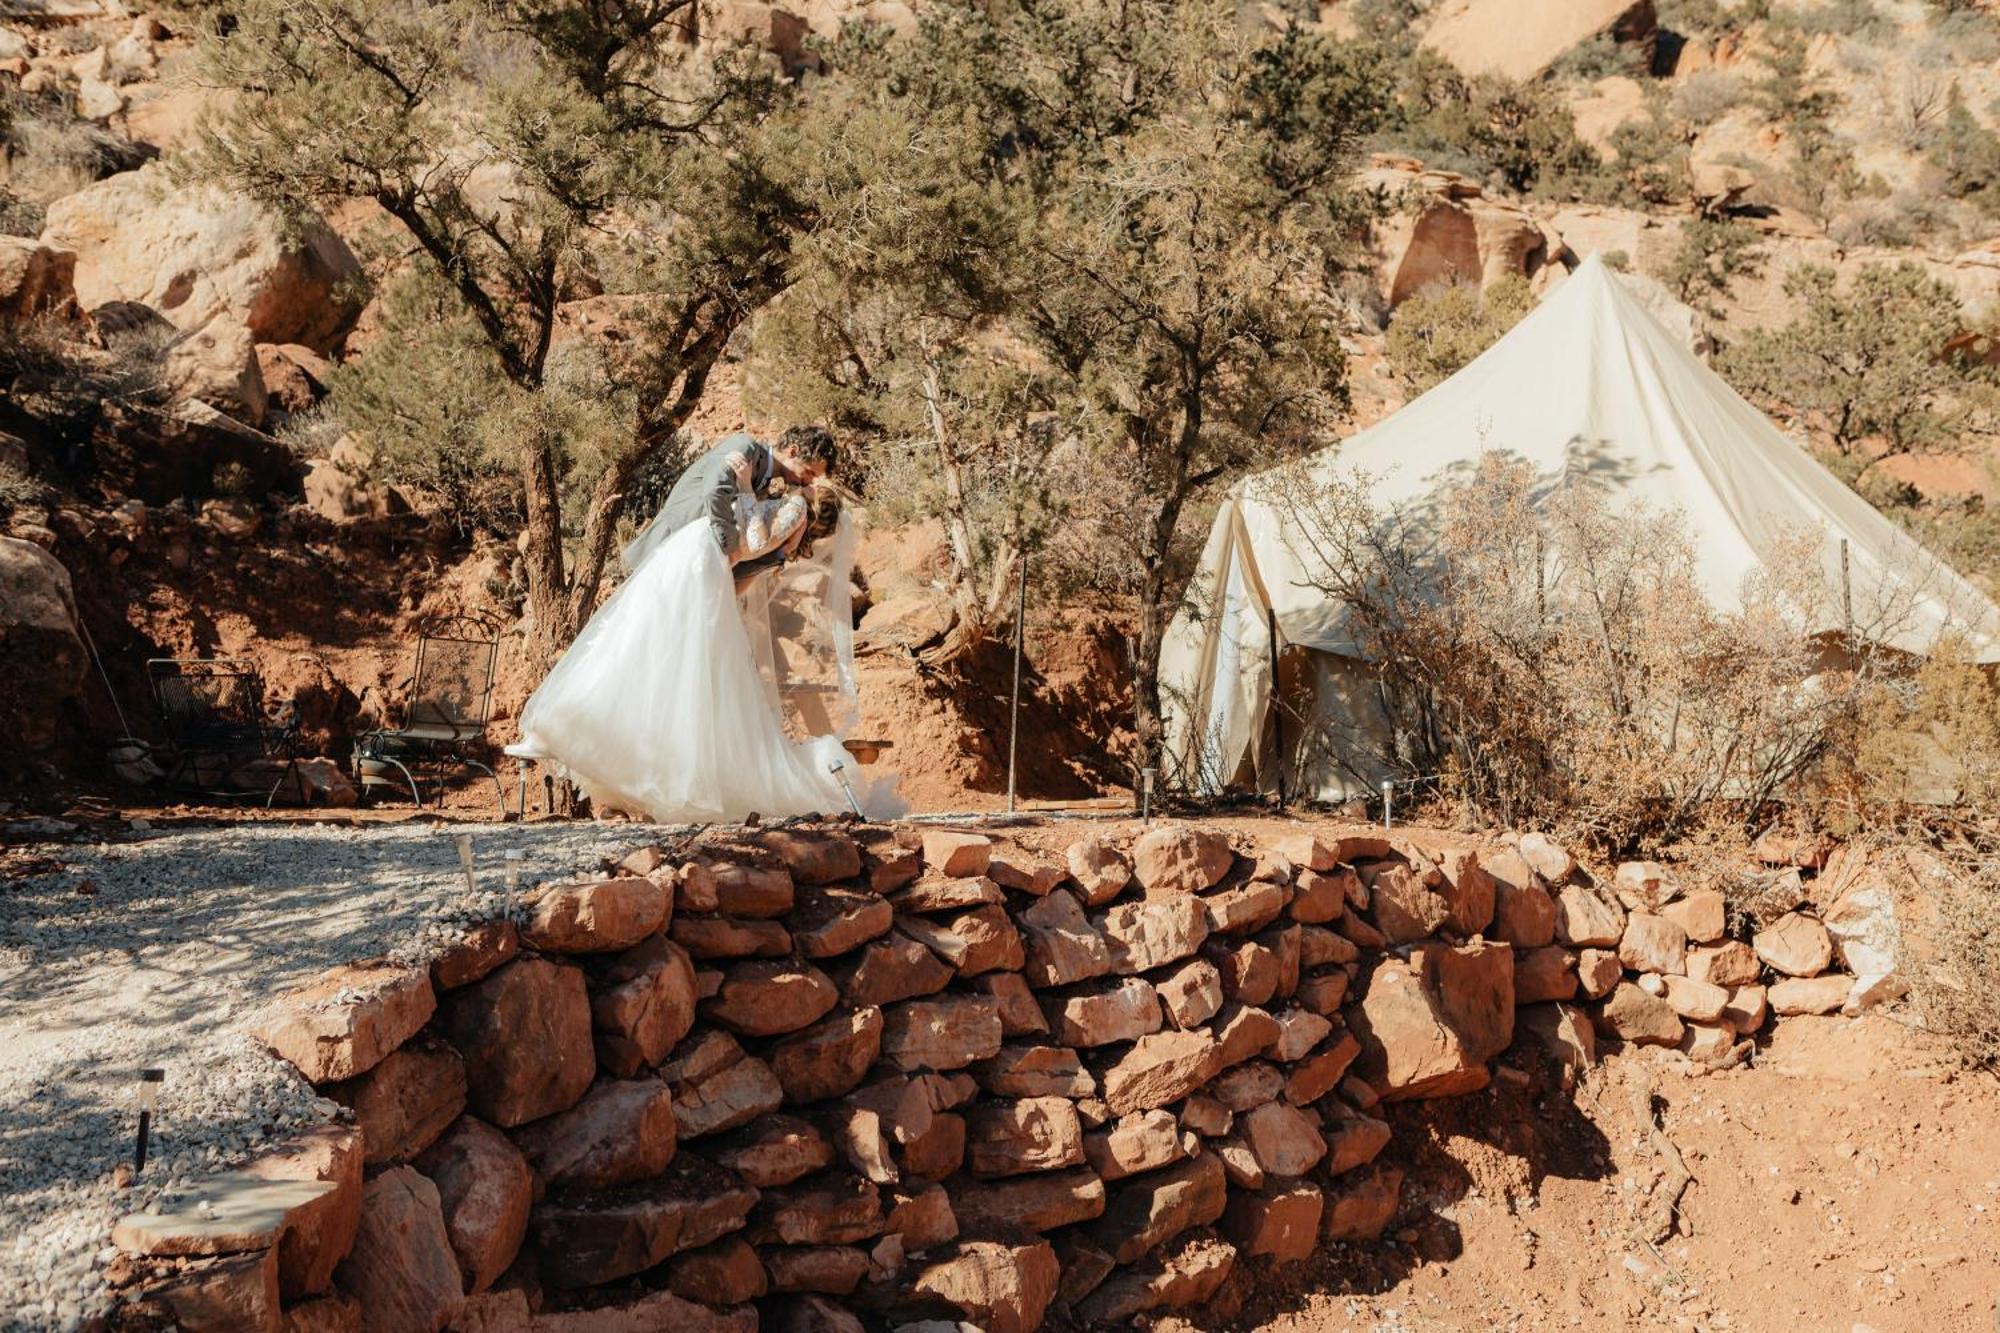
1320 895
1448 233
1546 857
1428 1027
1183 1274
1524 915
1585 919
1823 994
1040 1202
1060 945
1653 944
773 1150
813 856
1354 1140
948 1033
1281 1220
1173 858
923 1218
982 940
1161 1068
643 1007
199 254
1359 1205
41 649
525 1034
318 1234
890 969
1645 886
1795 944
1028 1134
1248 969
601 916
1702 914
1143 1212
1023 871
482 948
753 892
217 365
404 1103
1631 1015
233 1212
402 1267
833 1209
830 1058
1523 43
1036 1071
36 280
1405 908
1747 1009
1731 963
1693 999
1285 1140
623 1130
346 1021
1321 1071
936 894
1099 871
1242 1031
829 922
1142 1141
727 1272
1547 973
726 1098
1191 994
1144 935
1861 918
1001 1286
1299 1031
238 1291
485 1188
1020 1015
1243 909
1104 1013
769 999
956 855
589 1239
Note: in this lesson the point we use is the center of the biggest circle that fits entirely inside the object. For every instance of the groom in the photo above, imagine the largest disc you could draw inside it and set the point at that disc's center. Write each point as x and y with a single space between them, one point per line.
706 491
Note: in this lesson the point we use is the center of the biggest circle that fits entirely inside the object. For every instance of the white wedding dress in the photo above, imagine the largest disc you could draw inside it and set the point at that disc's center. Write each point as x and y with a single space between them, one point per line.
673 702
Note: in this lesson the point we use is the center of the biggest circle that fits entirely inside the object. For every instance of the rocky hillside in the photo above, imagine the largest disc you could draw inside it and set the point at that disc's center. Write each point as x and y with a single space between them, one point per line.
173 471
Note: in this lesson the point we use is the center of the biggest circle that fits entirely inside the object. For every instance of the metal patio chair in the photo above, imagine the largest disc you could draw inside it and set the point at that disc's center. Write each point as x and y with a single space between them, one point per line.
216 724
444 720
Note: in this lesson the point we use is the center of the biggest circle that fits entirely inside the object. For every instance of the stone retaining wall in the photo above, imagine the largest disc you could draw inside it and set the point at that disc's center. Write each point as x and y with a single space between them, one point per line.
813 1076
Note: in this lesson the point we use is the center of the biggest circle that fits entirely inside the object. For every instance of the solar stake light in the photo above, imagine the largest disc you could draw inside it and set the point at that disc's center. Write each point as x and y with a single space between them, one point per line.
839 770
462 840
1146 795
511 859
149 1100
1388 801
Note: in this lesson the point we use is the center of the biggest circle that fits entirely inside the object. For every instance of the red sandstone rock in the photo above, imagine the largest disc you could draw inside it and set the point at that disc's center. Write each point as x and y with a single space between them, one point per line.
769 999
1281 1221
1630 1014
923 1218
1548 973
1027 1134
891 969
957 855
1524 915
752 892
601 916
1191 994
1795 945
1173 858
645 1007
622 1130
982 940
1563 1031
1098 870
525 1034
660 1310
935 894
1653 944
481 949
726 1098
830 1058
1359 933
1810 995
1321 1071
1242 1031
1285 1140
1184 1273
1061 946
831 1209
774 1150
1360 1204
1299 1031
1000 1286
1703 915
829 922
337 1313
727 1272
1747 1009
319 1234
834 1270
947 1033
1405 909
1696 999
1144 935
1728 964
1104 1013
1250 971
1247 1086
1585 918
237 1291
813 856
1144 1211
1645 886
589 1239
1354 1141
707 937
405 1102
1133 1144
1547 857
1036 1071
1427 1028
402 1268
1322 948
1020 1015
1244 909
1160 1068
939 1151
1597 971
1024 871
485 1188
345 1021
1040 1202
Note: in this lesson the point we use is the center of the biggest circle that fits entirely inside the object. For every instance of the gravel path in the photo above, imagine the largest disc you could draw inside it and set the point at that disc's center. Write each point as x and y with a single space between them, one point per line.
154 953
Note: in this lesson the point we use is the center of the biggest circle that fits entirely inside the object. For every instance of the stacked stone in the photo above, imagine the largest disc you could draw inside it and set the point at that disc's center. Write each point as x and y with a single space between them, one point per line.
811 1077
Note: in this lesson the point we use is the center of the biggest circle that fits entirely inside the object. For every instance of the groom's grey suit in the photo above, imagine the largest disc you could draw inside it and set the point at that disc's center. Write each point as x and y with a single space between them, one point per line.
706 492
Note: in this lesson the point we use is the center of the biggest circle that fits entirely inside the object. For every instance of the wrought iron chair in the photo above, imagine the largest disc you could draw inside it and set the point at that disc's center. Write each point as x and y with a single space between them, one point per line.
444 722
216 724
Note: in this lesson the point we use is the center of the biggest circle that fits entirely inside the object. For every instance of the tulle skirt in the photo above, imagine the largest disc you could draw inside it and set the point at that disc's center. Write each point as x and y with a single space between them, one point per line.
658 707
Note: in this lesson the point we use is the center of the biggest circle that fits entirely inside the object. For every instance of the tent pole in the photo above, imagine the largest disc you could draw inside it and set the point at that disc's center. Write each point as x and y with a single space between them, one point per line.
1014 714
1277 704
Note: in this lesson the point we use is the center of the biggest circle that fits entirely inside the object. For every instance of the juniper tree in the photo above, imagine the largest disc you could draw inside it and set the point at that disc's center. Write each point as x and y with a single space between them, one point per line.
525 154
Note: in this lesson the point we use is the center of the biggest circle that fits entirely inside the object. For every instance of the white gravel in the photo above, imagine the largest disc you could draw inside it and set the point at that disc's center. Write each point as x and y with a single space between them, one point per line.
186 934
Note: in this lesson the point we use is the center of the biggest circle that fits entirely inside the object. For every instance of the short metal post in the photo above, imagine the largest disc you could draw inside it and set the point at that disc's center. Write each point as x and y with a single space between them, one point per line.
521 772
1014 715
1388 803
149 1094
1277 701
1145 795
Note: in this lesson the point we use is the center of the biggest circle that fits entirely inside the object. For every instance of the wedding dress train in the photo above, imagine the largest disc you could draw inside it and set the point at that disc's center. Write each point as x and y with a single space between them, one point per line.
668 705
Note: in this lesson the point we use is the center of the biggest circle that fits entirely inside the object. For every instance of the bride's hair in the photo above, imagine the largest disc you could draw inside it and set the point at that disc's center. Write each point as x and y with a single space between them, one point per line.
823 505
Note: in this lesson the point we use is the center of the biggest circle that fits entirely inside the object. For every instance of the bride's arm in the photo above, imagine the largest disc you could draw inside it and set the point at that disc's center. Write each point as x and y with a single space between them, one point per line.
770 526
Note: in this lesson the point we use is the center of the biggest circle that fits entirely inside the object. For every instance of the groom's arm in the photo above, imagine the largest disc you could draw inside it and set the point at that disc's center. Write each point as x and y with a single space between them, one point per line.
741 467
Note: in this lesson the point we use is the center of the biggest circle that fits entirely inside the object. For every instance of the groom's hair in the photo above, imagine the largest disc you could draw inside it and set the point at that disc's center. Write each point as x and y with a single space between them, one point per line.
810 444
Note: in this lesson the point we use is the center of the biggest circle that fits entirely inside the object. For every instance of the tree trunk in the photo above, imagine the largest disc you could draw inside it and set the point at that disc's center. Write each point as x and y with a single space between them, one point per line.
970 624
547 609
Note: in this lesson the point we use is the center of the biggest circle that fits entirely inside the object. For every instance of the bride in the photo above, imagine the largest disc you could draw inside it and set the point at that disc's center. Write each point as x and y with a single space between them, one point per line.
674 699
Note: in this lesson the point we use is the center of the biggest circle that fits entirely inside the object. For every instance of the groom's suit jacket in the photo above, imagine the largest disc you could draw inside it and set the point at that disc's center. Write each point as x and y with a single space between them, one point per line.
705 492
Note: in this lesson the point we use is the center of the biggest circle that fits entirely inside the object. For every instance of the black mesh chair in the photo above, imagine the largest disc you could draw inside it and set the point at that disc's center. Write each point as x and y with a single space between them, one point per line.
444 722
217 727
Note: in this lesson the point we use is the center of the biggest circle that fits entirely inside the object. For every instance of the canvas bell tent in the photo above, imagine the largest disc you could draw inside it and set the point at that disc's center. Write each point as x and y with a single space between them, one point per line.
1588 390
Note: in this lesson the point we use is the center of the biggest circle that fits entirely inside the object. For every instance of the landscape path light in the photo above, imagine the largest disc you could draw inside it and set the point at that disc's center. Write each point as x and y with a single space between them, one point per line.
511 859
1145 795
149 1100
462 840
1388 801
839 770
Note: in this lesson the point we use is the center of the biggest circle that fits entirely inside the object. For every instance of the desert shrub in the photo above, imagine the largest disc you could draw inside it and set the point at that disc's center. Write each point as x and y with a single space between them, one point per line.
1517 135
1711 255
1930 735
1868 361
1618 261
51 153
1551 660
311 434
1860 19
64 386
1967 155
1437 332
18 216
233 480
1602 57
1692 17
1653 165
1950 877
1708 95
18 490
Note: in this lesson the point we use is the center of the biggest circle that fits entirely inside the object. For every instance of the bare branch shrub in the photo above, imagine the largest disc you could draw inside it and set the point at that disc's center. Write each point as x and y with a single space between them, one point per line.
1553 661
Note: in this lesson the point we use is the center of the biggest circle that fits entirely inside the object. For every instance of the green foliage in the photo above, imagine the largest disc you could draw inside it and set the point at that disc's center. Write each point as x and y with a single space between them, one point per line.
1711 255
1602 57
1868 363
1696 17
1516 135
1861 19
1438 332
1968 155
